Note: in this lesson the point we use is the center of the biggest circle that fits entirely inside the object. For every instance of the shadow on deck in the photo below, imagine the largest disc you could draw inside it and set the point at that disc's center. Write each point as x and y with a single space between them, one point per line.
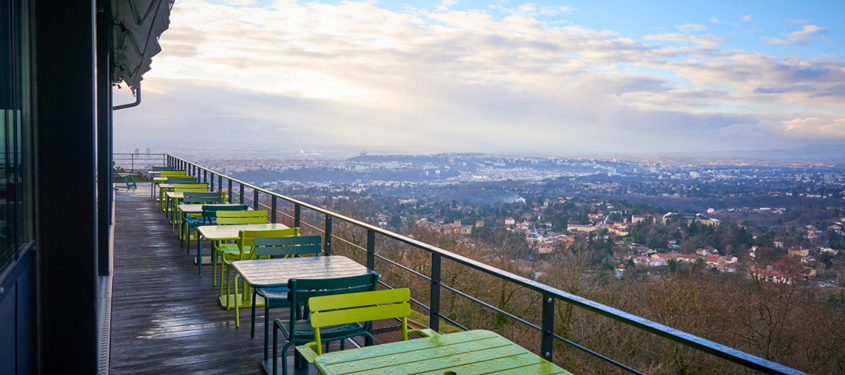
165 316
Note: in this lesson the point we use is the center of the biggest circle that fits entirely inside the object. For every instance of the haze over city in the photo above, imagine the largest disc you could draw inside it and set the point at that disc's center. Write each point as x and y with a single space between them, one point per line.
500 76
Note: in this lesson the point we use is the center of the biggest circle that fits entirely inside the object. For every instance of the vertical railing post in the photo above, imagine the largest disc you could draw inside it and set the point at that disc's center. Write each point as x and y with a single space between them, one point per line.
371 249
230 191
219 183
297 214
254 199
241 193
548 326
434 304
273 203
167 161
132 163
327 242
211 182
205 176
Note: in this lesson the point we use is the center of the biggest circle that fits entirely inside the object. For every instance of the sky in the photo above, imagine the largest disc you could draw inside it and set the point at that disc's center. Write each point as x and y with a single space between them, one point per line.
548 77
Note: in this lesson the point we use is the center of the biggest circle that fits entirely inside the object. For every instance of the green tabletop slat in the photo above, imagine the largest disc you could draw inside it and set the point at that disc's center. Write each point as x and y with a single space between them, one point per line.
388 358
517 364
471 352
407 346
537 368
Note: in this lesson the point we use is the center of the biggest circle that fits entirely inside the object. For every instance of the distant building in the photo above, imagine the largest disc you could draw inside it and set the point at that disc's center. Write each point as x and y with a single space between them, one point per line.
479 224
572 227
510 221
798 252
137 152
769 276
636 219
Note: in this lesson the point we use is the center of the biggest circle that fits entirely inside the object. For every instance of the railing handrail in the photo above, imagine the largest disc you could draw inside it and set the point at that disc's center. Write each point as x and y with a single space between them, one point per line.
707 346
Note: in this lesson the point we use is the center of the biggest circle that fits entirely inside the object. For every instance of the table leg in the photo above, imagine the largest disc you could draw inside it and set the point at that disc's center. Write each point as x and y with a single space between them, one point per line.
199 252
181 229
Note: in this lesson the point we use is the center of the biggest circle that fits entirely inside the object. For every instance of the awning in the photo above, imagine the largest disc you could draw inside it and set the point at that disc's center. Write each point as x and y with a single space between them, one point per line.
138 25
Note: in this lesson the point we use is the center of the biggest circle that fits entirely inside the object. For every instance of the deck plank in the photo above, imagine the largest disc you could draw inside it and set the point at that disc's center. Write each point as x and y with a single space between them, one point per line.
165 317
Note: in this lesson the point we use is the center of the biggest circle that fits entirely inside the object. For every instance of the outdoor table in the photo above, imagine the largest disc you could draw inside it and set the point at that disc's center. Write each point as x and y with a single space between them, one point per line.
156 181
161 186
171 196
260 273
186 209
226 233
469 352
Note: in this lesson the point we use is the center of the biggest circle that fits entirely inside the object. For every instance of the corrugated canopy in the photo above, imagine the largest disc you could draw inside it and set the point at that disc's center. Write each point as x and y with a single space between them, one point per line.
138 24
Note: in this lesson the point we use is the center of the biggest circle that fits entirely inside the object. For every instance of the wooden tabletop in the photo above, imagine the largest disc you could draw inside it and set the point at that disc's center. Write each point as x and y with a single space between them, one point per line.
232 232
266 272
197 208
470 352
175 194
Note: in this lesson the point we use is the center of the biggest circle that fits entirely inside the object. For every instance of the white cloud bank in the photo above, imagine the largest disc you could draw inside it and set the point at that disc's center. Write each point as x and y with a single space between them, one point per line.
357 76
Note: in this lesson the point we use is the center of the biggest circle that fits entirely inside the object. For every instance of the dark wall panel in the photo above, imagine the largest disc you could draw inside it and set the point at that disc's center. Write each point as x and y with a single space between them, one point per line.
7 327
65 124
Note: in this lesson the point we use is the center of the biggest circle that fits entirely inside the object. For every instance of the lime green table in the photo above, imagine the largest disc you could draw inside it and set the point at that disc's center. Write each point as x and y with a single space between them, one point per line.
470 352
226 233
184 209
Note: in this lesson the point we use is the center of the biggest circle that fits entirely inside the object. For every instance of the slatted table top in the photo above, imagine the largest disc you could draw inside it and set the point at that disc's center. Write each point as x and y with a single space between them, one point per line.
175 194
159 179
470 352
266 272
197 208
232 232
166 186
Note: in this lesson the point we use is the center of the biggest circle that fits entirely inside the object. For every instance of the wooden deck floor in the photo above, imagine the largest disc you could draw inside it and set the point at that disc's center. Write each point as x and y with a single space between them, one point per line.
165 317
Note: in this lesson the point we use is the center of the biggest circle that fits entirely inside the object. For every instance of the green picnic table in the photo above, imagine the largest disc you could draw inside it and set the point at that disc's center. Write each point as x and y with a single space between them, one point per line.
470 352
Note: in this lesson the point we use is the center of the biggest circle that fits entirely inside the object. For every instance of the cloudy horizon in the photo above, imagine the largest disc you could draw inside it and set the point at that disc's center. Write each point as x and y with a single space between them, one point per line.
502 76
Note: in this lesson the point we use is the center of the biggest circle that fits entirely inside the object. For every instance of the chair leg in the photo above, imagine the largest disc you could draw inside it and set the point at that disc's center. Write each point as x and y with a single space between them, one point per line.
252 325
237 302
222 269
275 349
228 285
266 323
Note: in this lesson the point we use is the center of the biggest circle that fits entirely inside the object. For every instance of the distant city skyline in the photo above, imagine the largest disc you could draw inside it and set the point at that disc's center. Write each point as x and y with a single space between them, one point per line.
502 76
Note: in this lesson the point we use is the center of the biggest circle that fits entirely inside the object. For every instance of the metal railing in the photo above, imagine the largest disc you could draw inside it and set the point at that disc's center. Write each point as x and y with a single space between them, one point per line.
550 295
134 163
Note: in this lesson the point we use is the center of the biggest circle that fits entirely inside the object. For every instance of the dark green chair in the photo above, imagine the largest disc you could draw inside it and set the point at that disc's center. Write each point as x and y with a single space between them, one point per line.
298 329
181 180
279 247
195 198
209 217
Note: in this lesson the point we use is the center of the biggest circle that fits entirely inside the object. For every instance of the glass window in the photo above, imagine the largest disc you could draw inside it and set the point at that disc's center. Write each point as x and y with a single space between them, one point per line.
16 222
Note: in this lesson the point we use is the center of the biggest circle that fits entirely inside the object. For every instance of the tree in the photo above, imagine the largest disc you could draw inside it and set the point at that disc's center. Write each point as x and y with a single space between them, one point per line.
826 259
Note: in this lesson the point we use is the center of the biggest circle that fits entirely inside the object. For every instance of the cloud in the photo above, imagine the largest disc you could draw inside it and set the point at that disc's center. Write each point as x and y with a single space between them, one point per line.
799 21
747 18
690 27
802 36
355 75
718 21
446 4
709 41
534 10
